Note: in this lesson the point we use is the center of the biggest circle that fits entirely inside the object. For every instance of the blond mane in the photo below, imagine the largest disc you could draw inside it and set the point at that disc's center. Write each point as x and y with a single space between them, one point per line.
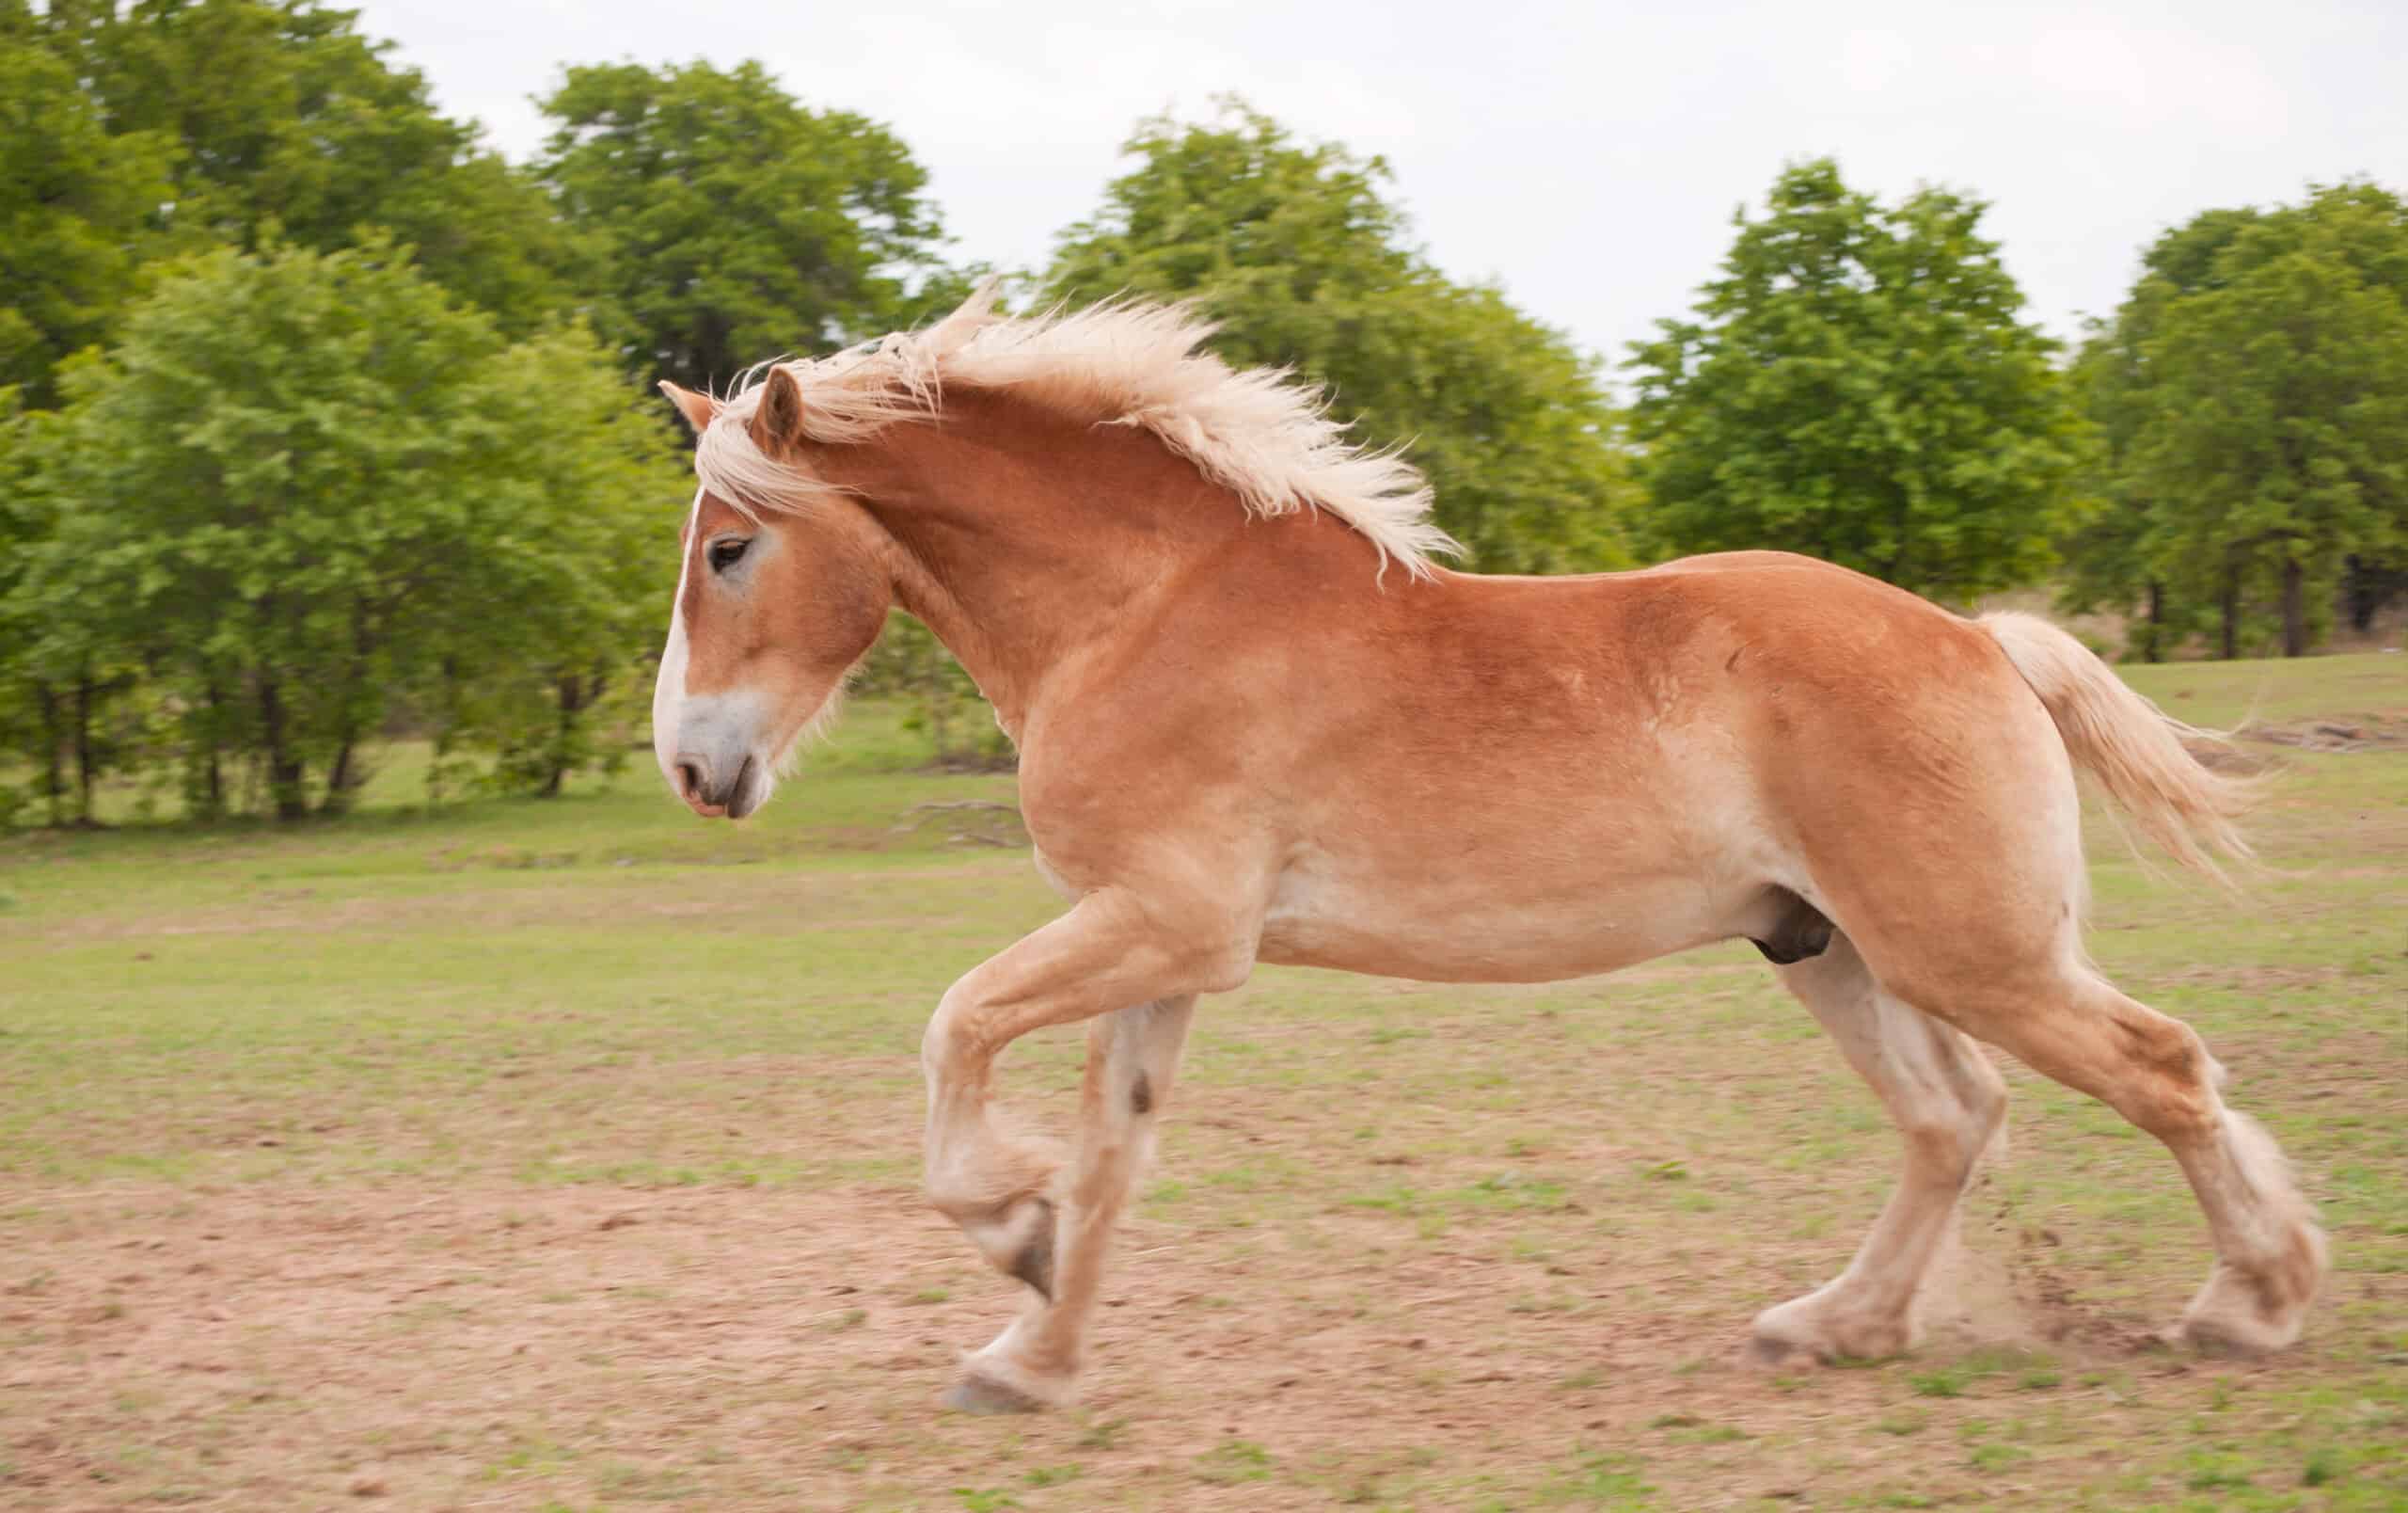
1268 439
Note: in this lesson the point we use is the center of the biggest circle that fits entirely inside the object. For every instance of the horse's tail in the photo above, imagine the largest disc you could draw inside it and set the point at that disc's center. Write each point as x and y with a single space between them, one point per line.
2133 748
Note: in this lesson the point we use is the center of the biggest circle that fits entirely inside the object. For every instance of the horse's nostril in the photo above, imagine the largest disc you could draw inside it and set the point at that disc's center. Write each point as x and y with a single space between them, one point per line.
690 778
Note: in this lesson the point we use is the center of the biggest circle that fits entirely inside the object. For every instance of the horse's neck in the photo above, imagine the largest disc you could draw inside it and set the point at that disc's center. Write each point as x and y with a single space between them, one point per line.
1025 539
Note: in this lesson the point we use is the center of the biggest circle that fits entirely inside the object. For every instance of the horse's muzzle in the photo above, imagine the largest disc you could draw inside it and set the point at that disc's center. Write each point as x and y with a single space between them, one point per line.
712 796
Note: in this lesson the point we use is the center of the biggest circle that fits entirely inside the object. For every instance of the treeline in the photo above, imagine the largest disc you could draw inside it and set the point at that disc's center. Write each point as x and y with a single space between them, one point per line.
319 421
2250 399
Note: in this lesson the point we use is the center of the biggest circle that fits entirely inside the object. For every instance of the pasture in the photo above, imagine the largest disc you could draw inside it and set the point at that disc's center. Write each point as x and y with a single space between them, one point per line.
565 1156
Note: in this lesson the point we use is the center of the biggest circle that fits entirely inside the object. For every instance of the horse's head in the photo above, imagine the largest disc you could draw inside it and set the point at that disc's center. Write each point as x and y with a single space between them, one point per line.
775 604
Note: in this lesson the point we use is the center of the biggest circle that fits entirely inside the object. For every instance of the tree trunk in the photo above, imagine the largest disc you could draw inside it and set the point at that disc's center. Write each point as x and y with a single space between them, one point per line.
54 777
340 780
85 762
570 692
2294 609
284 770
343 778
2231 613
2154 648
2372 585
215 794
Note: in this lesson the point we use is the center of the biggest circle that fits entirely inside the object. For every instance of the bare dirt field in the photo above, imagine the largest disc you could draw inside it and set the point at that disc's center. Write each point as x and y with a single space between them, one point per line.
564 1157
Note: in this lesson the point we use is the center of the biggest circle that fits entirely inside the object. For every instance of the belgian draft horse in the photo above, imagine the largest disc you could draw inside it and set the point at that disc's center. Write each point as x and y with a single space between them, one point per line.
1256 723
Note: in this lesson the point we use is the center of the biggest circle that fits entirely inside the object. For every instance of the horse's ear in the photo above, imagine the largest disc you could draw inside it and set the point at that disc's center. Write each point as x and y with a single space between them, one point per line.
777 422
697 408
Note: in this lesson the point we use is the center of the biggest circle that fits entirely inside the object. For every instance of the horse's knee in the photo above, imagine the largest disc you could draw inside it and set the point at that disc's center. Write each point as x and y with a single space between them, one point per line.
951 1032
988 1183
953 1183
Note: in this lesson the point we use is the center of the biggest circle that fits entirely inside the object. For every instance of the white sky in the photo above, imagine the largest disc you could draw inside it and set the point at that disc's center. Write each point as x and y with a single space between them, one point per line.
1589 157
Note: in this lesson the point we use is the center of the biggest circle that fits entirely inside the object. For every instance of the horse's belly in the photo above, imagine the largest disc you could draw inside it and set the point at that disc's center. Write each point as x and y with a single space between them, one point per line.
1450 930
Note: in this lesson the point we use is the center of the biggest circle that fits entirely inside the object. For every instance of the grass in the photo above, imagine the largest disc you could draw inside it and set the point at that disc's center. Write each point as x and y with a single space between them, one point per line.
566 1153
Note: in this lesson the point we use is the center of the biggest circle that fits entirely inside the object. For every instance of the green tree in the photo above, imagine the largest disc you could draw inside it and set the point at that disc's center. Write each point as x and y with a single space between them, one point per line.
304 482
58 683
731 223
23 525
575 479
1294 250
2262 414
1858 385
292 128
2110 556
77 207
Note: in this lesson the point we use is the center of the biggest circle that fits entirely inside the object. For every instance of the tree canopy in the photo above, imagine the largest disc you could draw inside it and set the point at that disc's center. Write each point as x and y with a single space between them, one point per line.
1859 385
2253 395
78 206
730 222
284 124
304 487
1295 250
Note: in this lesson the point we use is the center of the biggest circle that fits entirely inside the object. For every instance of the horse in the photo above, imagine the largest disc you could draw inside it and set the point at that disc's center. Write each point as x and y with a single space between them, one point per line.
1257 723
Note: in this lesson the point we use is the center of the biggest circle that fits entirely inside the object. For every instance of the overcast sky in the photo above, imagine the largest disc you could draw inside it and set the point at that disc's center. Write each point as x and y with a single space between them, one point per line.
1589 157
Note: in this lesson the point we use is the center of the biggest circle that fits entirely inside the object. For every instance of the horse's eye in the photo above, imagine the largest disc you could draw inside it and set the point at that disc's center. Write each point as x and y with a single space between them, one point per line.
726 554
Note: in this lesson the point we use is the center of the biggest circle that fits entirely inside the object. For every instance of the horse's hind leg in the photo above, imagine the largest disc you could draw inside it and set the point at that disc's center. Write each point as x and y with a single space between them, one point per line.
2075 1026
1947 1100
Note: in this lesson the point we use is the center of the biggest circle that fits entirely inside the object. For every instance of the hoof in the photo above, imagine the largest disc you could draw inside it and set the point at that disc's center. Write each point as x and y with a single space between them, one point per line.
1790 1333
975 1393
2243 1313
2231 1338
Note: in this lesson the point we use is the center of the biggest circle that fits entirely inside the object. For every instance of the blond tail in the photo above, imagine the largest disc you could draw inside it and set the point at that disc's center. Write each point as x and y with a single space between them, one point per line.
2133 748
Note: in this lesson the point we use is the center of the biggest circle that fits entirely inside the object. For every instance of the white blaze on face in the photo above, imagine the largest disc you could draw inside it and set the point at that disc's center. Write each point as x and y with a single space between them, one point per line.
668 689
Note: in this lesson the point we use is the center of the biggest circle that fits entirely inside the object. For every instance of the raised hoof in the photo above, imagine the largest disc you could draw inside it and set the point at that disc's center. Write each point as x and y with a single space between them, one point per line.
975 1393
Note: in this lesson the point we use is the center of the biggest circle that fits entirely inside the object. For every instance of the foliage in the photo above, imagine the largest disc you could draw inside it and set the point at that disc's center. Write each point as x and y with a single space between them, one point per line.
579 479
305 485
1295 251
22 525
2253 390
77 207
291 127
732 223
1858 385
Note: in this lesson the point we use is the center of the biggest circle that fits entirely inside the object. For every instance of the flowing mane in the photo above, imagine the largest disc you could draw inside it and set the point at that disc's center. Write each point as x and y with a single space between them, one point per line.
1264 437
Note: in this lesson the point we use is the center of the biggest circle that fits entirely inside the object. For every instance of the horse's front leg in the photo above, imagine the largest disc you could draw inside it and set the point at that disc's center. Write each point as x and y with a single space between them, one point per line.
1132 1055
1032 1221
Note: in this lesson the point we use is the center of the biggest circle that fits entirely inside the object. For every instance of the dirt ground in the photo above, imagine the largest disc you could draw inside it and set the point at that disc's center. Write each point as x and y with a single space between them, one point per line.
322 1349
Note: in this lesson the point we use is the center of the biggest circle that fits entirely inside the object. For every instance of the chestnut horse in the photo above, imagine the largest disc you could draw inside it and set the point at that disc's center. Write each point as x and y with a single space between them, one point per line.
1256 723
